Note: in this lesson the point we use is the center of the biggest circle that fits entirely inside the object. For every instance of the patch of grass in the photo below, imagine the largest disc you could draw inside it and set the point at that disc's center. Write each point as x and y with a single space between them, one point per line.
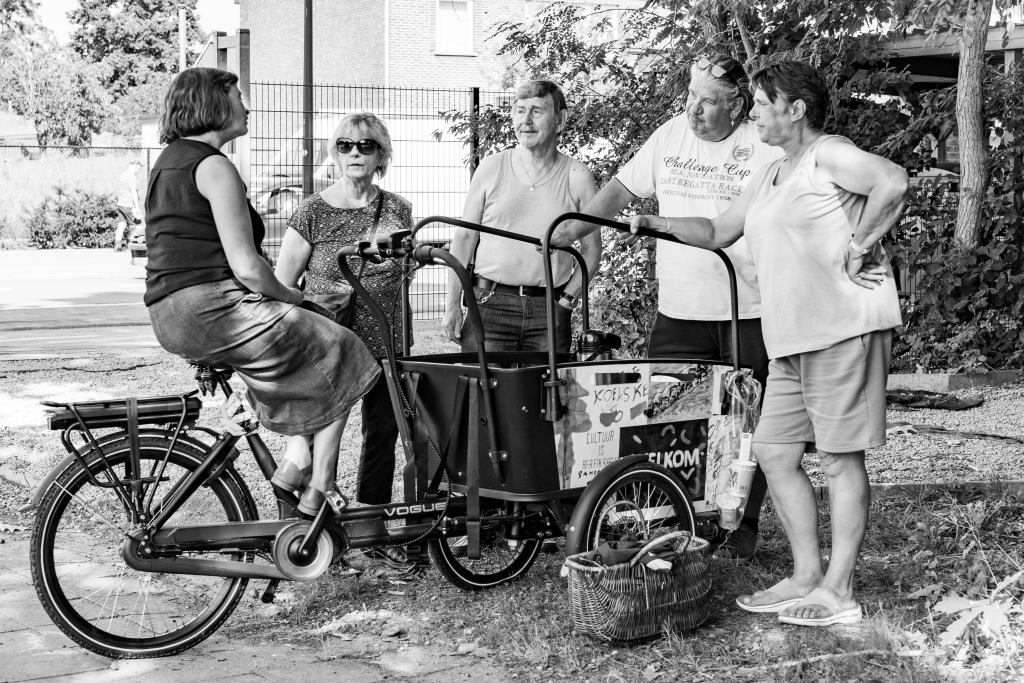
526 625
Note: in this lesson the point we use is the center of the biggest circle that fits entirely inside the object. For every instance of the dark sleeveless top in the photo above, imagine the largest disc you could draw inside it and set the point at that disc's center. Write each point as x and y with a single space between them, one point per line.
182 243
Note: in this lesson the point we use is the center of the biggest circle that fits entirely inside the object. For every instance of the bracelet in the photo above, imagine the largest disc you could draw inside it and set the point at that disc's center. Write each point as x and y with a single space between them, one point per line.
668 228
569 299
857 248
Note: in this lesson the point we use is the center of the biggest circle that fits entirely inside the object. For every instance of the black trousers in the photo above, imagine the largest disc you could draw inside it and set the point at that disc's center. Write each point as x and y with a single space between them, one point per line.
377 458
712 340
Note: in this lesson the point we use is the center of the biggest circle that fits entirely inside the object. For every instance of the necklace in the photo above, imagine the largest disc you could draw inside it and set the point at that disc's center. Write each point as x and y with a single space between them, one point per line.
530 179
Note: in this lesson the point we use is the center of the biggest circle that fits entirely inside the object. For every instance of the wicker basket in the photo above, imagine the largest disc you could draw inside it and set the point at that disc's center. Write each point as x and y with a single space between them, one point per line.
627 602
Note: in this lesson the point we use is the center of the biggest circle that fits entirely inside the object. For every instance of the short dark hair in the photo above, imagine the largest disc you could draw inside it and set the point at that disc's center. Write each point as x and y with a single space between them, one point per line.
197 101
796 81
734 78
542 88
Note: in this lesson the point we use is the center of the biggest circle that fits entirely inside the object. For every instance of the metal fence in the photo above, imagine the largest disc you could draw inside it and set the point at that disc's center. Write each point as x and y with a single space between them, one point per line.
430 166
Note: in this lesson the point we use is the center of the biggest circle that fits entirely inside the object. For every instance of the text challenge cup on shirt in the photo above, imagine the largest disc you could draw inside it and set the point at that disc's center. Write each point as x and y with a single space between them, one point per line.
689 178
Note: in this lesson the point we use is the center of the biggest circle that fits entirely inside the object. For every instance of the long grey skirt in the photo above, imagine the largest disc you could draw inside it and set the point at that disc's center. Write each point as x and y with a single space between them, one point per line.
303 371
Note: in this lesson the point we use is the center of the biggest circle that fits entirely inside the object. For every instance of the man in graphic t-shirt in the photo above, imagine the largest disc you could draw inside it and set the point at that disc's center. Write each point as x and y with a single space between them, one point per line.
695 164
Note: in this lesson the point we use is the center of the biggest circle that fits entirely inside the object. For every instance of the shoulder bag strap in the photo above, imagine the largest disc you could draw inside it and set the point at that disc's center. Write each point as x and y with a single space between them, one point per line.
372 233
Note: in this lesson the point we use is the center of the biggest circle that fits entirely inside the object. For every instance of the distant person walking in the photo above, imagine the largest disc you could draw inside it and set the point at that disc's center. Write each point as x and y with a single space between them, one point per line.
129 204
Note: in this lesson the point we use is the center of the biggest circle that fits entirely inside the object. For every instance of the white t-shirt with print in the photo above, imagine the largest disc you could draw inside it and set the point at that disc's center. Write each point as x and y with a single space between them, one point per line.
693 177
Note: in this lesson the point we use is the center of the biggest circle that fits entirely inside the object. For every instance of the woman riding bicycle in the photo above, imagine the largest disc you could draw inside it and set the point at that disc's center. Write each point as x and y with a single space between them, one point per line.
213 298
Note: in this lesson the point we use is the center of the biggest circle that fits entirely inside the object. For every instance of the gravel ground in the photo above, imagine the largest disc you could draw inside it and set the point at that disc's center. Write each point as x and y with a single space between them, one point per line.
948 458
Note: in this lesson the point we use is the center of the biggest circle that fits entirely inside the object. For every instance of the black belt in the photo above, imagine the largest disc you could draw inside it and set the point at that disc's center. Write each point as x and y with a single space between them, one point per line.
518 290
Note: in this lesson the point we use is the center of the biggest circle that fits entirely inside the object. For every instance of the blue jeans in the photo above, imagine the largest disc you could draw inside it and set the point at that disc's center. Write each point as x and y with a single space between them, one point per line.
517 323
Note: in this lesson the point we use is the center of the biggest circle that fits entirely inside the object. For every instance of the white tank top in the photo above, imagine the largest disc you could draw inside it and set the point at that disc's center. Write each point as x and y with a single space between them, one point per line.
798 233
510 205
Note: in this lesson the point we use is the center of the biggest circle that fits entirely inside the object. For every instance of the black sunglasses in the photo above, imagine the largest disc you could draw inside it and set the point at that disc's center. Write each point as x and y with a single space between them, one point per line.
719 71
365 147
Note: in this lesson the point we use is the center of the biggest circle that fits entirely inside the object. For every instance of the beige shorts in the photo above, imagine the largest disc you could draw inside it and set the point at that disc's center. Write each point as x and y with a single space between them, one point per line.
834 398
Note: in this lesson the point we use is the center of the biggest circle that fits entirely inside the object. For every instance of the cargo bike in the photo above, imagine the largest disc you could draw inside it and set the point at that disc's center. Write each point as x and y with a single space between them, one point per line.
146 535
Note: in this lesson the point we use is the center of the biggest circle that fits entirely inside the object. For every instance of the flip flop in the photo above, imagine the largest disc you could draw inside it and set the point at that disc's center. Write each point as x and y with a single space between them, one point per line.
779 590
822 598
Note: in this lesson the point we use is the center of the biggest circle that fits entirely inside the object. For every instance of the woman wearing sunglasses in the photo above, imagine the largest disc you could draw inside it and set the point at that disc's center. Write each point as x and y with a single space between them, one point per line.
353 209
213 298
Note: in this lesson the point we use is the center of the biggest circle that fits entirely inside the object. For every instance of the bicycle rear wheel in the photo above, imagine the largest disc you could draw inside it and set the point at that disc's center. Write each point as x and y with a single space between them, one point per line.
92 595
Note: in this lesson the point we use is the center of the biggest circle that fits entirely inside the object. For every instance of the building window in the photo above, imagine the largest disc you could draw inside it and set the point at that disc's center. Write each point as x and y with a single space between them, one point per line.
454 27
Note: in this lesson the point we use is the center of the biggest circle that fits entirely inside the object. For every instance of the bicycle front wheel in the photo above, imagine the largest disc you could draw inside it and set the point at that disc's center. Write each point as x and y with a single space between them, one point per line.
88 590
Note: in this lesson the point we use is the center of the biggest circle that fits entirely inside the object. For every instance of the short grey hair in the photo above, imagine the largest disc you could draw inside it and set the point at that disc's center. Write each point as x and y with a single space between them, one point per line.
542 88
369 126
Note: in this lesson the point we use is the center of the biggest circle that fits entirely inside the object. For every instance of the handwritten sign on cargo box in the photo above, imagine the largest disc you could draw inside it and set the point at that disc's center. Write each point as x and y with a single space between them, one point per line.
655 408
600 401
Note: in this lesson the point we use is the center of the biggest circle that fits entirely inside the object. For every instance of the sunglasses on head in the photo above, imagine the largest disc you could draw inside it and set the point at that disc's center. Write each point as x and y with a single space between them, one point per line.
717 70
365 147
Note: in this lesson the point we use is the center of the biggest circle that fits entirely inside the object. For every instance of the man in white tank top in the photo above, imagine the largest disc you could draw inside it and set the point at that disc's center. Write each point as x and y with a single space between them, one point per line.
522 190
696 164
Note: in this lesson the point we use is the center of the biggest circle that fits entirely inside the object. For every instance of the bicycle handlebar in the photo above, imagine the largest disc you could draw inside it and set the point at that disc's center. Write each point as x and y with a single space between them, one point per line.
644 232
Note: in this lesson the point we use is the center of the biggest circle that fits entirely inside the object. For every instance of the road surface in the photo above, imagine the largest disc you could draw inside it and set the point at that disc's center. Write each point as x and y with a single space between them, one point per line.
64 303
61 303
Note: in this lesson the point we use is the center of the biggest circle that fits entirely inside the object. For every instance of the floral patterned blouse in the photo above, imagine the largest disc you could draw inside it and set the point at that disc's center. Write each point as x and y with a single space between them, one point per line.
327 229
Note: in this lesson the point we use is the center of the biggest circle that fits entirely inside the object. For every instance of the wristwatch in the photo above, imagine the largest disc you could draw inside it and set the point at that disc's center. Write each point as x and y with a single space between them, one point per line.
568 300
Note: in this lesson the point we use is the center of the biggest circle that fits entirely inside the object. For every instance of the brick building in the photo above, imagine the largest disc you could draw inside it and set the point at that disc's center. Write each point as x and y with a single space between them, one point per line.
394 43
398 43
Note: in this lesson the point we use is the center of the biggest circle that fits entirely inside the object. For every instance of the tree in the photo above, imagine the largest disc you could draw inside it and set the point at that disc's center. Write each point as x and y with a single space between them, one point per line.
17 31
17 17
62 95
969 302
624 85
137 42
973 180
969 19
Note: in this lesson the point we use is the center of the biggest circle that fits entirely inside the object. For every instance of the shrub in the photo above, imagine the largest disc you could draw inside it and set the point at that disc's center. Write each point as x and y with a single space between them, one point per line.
8 240
73 218
968 307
